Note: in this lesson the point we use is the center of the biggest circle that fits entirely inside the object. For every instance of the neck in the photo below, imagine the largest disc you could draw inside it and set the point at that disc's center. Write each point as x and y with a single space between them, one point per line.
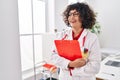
77 30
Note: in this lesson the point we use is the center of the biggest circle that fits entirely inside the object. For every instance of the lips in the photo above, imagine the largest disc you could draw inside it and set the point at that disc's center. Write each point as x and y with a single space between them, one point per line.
72 21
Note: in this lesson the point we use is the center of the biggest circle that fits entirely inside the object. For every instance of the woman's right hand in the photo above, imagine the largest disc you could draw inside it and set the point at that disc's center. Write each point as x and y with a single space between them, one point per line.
77 63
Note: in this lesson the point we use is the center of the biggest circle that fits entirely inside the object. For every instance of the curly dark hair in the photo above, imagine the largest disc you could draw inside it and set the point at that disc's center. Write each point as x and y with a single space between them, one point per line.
87 15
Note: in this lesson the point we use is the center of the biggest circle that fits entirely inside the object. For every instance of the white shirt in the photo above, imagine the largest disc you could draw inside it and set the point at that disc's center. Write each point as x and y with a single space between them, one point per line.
92 66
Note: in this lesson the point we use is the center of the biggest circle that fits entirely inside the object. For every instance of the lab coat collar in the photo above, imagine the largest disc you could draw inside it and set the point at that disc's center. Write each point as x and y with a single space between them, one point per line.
84 34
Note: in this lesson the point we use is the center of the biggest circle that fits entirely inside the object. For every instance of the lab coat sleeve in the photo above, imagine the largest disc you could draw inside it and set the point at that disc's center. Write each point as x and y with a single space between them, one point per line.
59 61
56 59
93 63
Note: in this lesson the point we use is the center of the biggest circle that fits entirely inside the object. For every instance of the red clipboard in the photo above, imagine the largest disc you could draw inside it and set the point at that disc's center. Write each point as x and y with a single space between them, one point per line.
69 49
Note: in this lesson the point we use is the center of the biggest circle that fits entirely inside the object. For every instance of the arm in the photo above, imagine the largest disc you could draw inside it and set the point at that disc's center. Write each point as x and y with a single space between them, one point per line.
77 63
93 63
59 61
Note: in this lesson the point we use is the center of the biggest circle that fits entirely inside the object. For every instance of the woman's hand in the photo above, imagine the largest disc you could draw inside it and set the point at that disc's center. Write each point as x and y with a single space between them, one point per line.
77 63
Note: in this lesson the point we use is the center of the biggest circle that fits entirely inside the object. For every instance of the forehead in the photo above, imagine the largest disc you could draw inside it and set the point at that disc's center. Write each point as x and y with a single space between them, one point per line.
73 11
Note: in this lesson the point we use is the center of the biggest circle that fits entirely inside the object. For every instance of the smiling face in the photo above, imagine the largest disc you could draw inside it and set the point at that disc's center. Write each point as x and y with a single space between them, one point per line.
74 19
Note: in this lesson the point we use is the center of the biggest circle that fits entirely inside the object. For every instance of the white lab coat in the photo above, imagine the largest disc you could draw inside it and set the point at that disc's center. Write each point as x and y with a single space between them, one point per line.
92 66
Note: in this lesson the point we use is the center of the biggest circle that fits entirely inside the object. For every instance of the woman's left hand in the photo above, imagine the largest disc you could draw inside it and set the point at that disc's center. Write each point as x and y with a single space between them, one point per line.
77 63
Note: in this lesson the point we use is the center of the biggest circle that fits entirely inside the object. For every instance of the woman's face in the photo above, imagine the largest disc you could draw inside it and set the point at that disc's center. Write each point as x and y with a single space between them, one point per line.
74 19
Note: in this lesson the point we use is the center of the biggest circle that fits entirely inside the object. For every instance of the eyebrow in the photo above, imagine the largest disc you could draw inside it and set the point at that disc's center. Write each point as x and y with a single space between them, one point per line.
74 12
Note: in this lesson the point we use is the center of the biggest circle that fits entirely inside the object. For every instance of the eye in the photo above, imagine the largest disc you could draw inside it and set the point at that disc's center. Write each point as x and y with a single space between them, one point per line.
70 14
74 14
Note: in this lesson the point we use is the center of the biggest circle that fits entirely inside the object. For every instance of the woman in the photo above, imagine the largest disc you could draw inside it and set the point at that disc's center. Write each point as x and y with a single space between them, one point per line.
80 18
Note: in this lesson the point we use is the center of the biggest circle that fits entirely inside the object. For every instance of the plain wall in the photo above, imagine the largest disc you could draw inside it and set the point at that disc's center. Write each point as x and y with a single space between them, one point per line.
10 66
47 45
50 15
60 6
109 18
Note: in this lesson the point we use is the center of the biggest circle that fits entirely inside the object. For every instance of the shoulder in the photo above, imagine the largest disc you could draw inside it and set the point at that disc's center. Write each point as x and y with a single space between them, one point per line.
61 34
91 36
92 40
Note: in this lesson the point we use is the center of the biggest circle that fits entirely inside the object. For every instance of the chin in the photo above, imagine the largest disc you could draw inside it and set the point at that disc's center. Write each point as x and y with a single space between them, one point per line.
72 25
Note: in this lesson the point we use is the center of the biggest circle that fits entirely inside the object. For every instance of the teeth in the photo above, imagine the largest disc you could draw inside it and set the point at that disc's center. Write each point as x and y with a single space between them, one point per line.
72 21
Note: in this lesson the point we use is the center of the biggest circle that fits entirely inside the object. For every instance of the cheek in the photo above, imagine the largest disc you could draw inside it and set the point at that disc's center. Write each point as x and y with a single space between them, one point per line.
79 20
